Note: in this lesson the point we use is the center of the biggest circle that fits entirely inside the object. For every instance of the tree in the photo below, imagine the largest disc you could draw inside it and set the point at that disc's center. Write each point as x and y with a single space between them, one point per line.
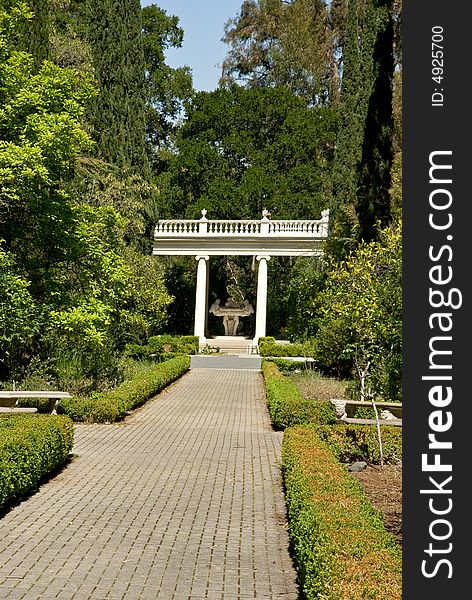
20 318
166 88
70 265
38 31
69 46
114 32
364 147
361 315
289 44
242 150
374 202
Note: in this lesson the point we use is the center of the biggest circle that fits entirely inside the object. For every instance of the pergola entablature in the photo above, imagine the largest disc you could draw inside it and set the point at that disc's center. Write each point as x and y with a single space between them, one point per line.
187 237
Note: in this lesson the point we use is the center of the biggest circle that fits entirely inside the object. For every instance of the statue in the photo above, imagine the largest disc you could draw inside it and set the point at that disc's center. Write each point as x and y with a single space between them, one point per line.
231 312
215 307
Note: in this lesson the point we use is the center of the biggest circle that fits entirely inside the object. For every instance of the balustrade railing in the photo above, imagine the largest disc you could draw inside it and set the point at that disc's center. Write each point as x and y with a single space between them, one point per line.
228 227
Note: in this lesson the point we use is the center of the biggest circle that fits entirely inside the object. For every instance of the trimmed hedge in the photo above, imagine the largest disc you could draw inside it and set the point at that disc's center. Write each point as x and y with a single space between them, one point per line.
31 447
164 347
286 365
286 404
113 405
269 347
340 545
359 442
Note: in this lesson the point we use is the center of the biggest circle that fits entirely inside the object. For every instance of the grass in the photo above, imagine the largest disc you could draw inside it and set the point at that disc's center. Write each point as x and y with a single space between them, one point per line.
314 386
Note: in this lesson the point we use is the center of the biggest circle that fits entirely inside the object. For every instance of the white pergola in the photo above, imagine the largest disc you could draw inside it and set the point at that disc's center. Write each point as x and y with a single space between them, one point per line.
261 238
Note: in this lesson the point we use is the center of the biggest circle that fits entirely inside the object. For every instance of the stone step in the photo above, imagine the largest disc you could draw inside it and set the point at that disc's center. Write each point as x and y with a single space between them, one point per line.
226 362
229 344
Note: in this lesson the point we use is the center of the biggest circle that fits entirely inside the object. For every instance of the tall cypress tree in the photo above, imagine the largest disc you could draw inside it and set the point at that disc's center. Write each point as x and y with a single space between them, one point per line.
36 32
364 146
118 116
373 198
348 144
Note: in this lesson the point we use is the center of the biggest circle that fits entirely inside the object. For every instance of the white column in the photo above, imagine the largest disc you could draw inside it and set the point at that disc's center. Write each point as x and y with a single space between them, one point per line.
261 306
201 300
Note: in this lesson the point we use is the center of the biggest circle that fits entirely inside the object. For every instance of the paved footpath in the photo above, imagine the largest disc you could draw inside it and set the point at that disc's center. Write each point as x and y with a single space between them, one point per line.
182 501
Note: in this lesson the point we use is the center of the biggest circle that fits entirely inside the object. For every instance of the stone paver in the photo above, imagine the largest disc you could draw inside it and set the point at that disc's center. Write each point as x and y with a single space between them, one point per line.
227 361
181 501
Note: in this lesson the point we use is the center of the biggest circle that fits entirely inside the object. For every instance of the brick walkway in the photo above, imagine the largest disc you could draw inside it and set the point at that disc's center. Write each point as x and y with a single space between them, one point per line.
181 501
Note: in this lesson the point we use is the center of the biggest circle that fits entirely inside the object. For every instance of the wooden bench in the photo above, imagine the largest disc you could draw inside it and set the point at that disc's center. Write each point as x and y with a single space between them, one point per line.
9 399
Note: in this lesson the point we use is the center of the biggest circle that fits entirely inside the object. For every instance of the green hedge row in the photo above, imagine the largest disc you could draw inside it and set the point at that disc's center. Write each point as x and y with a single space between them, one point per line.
359 442
269 347
113 405
287 406
164 346
31 447
340 545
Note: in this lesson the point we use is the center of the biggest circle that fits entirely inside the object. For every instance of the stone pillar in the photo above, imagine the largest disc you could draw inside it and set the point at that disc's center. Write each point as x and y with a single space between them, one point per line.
261 306
201 298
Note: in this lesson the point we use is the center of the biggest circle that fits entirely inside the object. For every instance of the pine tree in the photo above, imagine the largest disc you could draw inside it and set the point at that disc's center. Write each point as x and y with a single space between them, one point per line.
118 116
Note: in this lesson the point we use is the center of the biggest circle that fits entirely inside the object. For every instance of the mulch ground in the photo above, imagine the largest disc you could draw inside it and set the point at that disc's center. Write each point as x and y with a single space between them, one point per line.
383 487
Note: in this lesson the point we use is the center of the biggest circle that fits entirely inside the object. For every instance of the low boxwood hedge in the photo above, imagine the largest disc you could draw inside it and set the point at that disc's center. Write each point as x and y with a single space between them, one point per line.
340 545
269 347
164 347
113 405
31 447
286 404
359 442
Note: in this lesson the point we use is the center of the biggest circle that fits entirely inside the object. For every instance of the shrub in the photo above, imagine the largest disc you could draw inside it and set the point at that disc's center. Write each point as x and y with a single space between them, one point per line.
341 548
288 366
359 442
113 405
31 447
287 406
269 347
315 386
163 347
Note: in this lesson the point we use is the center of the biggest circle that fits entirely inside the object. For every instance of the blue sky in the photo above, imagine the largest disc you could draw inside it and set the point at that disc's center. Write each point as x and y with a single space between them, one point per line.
203 23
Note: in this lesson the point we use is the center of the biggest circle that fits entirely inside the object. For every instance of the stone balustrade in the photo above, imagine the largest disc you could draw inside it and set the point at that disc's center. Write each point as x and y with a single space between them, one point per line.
227 227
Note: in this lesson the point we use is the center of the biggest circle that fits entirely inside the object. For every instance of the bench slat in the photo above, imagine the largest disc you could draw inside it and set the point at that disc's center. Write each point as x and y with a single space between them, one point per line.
33 394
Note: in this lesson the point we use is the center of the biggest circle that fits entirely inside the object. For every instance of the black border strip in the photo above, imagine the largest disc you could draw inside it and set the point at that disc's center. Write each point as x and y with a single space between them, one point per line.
437 218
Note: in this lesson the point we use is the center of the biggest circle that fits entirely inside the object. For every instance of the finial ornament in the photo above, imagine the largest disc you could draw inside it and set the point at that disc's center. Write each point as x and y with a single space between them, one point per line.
265 213
204 212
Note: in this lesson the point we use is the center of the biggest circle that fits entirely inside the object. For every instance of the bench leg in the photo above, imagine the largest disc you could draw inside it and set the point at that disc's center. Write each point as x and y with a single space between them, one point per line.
53 404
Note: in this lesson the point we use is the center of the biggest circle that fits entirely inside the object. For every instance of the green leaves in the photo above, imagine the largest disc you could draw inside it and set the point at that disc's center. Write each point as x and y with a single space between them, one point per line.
18 314
361 312
240 151
31 447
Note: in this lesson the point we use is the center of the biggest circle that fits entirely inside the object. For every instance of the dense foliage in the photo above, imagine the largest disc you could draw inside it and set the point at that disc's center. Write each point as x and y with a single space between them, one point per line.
361 308
287 44
115 38
341 548
74 272
364 156
99 138
31 447
242 150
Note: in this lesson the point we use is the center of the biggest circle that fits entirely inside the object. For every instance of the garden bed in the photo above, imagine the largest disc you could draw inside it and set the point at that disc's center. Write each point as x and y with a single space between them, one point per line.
383 487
